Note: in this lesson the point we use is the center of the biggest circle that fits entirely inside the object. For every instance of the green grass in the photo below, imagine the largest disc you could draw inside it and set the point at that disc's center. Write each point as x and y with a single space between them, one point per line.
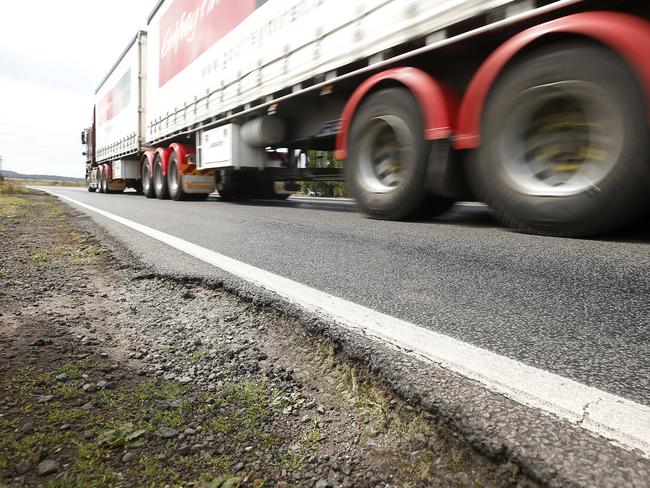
65 256
312 437
15 186
290 461
12 207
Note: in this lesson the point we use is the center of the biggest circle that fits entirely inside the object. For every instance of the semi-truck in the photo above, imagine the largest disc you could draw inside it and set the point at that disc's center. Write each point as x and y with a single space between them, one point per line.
538 108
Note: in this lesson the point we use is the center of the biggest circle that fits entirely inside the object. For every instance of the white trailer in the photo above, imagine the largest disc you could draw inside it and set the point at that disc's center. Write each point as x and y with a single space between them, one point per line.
426 101
120 110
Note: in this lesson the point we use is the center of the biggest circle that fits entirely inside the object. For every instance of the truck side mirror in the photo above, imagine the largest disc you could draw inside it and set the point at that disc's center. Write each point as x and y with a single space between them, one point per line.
83 137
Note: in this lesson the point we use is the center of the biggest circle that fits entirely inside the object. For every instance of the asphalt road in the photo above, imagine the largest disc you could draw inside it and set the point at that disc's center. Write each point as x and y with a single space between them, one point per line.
578 308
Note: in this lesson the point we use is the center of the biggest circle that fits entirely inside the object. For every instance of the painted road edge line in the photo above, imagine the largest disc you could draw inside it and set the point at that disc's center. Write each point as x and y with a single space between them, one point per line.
620 420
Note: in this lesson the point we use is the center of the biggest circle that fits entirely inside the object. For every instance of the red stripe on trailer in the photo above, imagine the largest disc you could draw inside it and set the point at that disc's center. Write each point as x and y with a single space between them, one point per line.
626 34
439 104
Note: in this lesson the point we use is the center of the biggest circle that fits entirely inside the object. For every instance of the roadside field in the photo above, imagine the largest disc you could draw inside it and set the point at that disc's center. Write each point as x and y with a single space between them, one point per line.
111 376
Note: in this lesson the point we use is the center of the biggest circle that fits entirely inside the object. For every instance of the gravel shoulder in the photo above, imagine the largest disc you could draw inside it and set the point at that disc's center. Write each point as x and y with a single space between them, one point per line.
112 376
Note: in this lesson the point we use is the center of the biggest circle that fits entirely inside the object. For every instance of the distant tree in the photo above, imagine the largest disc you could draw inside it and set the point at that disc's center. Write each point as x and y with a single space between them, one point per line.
323 159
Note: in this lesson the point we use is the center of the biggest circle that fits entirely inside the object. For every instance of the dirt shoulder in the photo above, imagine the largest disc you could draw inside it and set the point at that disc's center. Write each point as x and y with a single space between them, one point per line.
109 377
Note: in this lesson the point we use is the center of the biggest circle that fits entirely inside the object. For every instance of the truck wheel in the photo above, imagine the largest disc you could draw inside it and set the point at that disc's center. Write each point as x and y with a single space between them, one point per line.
228 186
147 185
387 164
102 179
90 188
174 180
565 149
159 180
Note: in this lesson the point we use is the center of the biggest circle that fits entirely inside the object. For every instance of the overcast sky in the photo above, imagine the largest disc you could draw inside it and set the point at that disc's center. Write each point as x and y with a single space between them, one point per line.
53 54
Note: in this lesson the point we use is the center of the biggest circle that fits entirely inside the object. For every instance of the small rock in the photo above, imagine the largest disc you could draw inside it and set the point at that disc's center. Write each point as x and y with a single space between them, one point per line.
184 450
22 468
185 380
128 457
463 479
47 467
166 432
88 388
61 377
41 342
419 441
102 384
88 406
27 428
44 398
323 484
320 409
189 431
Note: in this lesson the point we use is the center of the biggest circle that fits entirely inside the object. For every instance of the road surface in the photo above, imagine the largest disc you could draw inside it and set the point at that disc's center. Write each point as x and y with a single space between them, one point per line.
577 308
556 332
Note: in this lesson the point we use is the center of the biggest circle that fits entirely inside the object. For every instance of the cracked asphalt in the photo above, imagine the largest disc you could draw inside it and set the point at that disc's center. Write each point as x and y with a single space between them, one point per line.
578 308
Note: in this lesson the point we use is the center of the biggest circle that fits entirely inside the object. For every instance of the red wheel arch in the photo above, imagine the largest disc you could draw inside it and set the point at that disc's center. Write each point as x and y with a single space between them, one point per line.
626 34
438 102
182 152
150 156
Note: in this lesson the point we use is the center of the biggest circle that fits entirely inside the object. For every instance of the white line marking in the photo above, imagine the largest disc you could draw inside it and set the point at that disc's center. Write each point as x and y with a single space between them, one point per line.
618 419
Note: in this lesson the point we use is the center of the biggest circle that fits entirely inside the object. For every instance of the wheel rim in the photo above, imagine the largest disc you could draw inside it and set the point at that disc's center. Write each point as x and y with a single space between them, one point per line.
384 149
561 138
172 178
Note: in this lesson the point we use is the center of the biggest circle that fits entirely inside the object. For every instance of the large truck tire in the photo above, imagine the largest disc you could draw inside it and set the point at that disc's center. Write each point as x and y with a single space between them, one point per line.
228 186
239 185
90 188
159 180
147 183
102 179
388 158
174 180
564 144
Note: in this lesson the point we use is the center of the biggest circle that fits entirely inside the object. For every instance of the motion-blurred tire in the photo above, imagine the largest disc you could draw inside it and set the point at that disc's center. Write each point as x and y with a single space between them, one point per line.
388 158
147 183
159 180
564 144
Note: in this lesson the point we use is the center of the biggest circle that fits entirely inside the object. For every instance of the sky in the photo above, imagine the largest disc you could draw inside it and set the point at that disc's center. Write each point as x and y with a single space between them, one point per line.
53 55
